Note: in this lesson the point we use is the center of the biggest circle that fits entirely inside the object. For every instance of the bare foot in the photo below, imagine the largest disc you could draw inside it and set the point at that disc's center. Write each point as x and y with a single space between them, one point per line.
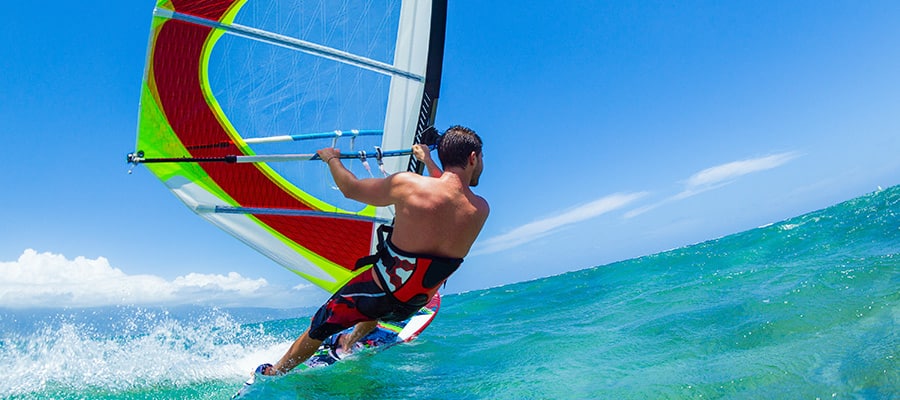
345 346
265 369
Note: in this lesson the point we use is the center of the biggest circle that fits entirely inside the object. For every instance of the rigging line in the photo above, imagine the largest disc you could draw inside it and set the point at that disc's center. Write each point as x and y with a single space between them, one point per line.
365 163
289 212
379 156
292 43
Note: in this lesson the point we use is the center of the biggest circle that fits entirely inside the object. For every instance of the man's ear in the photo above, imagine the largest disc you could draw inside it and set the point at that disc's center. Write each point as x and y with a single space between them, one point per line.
473 158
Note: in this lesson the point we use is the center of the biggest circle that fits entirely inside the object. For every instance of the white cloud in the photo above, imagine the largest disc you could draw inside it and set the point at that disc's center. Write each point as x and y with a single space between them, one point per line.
52 280
538 229
641 210
233 282
719 176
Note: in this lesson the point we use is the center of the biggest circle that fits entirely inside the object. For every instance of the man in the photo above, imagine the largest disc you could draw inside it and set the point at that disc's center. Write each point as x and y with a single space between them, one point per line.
437 219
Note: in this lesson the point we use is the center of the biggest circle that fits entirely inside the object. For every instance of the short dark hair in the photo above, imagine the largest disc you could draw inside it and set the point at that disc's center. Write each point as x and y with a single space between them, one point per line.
456 144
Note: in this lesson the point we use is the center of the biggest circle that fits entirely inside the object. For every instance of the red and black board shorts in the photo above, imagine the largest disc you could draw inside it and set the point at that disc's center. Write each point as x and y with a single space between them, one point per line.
358 301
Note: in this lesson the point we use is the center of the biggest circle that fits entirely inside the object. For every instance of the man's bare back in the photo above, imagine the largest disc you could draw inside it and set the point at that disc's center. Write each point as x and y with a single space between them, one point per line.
439 216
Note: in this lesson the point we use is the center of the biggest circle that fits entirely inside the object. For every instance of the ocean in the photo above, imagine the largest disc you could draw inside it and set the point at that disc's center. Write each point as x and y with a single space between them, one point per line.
806 308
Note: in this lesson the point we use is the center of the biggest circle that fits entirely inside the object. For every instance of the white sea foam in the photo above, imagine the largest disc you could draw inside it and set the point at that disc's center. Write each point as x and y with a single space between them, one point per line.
107 350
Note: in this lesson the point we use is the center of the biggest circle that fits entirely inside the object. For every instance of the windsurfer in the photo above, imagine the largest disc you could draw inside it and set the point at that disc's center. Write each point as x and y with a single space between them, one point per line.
437 220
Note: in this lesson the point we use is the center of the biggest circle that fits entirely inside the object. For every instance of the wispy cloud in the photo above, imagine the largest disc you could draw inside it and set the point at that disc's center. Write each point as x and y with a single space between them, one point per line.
719 176
52 280
538 229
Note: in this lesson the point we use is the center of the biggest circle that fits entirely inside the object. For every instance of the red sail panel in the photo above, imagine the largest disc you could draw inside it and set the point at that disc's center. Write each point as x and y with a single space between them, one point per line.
177 68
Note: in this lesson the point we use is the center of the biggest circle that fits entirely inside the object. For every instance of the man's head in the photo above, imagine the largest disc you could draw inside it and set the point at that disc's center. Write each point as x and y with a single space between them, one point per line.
457 145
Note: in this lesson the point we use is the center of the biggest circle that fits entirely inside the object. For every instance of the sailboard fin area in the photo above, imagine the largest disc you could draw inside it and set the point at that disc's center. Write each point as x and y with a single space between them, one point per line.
239 94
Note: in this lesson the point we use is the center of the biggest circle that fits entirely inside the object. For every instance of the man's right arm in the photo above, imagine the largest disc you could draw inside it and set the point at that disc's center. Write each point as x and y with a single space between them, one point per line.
423 154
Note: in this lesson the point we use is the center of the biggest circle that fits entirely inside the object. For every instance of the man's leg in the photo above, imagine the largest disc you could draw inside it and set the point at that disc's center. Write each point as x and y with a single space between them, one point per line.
359 331
300 351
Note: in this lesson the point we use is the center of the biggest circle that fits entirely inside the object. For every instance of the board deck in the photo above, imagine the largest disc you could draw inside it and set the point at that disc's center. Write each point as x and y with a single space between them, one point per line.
385 335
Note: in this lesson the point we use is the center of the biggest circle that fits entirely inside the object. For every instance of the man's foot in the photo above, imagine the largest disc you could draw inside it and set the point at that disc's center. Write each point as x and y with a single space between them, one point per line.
265 369
339 347
260 370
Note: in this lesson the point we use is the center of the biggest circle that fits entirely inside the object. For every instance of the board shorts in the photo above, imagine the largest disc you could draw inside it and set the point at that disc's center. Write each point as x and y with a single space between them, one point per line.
360 300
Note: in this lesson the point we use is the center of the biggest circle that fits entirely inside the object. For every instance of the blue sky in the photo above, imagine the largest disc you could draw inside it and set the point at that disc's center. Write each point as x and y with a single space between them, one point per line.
613 130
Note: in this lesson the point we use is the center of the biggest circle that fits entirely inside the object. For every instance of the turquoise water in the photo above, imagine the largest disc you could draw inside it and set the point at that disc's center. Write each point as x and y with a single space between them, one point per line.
805 308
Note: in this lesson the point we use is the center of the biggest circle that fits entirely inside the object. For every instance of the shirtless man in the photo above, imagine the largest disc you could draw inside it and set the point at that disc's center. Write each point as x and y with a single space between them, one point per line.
437 220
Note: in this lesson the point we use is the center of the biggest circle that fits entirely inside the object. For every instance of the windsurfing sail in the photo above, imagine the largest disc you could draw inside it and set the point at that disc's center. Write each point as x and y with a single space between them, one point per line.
239 94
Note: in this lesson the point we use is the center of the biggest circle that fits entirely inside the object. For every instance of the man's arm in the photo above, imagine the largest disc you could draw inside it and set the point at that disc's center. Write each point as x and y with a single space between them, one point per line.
423 153
374 191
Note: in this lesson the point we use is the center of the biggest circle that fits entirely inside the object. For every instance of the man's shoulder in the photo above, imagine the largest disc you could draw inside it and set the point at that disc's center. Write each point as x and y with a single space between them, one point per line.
407 177
482 205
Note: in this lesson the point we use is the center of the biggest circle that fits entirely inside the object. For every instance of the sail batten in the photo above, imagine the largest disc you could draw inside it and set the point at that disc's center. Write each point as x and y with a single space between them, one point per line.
304 213
311 136
293 43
